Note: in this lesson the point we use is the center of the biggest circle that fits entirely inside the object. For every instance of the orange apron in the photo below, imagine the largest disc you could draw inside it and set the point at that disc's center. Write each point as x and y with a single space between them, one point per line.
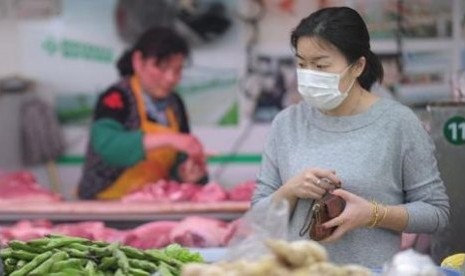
157 163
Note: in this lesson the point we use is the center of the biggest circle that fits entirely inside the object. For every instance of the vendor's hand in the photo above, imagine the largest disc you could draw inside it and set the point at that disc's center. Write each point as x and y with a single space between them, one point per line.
189 144
308 184
191 170
357 213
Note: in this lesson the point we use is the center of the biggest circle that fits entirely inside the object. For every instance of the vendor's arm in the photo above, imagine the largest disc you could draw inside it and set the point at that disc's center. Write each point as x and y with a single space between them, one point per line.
121 147
183 141
187 168
109 138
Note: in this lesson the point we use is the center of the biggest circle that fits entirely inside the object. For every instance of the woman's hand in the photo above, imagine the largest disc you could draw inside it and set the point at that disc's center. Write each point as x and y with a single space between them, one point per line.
191 170
308 184
357 213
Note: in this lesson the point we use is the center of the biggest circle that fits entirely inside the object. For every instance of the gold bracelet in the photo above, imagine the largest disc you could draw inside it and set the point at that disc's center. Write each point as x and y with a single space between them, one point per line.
384 215
373 211
375 215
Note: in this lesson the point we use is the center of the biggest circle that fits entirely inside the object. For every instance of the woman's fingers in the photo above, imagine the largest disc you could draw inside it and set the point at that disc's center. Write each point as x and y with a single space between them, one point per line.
325 183
337 234
329 174
346 195
337 221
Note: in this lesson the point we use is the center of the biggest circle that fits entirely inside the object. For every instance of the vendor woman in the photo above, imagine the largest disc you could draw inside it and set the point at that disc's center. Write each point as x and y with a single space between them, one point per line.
140 130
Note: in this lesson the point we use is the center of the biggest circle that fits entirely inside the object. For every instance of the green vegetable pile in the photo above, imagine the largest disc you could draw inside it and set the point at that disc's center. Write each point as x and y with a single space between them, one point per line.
70 256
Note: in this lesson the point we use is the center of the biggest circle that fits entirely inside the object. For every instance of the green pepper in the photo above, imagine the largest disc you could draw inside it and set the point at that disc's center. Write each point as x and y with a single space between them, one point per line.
138 272
61 237
45 267
89 248
107 263
90 268
144 265
32 264
133 253
10 261
70 263
76 253
20 264
20 245
62 242
10 265
164 270
68 272
38 242
23 255
157 256
122 260
5 253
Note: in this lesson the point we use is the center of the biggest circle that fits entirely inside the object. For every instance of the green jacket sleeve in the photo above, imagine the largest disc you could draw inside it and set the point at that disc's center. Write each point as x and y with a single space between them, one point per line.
116 145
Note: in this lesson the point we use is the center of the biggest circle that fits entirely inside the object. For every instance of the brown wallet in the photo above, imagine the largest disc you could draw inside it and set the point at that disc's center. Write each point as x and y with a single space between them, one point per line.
325 209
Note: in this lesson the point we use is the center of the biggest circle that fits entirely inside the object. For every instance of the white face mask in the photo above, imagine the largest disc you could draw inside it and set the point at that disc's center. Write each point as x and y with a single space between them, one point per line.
321 89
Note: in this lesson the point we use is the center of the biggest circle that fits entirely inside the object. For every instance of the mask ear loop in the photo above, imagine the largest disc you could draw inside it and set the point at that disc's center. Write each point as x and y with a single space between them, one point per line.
353 82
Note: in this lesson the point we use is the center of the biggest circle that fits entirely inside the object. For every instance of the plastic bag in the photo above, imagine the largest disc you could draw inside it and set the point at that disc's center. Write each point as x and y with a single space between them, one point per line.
260 223
411 263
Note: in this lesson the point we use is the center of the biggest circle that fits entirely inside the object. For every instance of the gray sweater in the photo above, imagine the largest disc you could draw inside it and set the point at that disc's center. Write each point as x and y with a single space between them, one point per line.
382 154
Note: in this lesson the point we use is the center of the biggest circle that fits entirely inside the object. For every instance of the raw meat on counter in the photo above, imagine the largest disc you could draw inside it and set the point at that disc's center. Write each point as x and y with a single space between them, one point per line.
163 191
199 232
92 230
171 191
150 235
212 192
25 230
242 191
22 186
190 232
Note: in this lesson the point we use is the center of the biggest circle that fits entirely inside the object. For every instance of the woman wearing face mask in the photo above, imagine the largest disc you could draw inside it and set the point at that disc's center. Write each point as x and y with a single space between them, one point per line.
376 149
140 132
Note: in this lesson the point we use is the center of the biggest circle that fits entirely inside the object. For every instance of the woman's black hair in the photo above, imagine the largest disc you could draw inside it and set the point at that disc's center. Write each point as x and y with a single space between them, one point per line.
344 28
159 43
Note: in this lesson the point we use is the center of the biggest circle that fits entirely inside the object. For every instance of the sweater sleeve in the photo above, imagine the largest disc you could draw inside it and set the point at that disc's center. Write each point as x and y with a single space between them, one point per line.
425 194
116 145
268 178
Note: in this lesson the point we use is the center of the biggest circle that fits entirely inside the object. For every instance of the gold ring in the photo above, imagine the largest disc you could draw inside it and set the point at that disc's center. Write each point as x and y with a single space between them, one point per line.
318 183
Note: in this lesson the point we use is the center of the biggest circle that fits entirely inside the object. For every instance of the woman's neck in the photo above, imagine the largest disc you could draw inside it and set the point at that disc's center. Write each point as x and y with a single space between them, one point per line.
356 102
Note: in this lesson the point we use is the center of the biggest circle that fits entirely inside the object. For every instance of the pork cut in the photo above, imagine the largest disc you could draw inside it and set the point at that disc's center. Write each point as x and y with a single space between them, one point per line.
163 191
22 186
199 232
212 192
150 235
242 191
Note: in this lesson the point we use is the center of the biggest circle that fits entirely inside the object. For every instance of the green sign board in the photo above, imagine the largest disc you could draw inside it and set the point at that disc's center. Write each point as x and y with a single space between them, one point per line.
73 49
454 130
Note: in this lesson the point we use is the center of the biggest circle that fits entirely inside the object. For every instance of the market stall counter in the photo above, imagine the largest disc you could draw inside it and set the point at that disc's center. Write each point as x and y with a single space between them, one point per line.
118 211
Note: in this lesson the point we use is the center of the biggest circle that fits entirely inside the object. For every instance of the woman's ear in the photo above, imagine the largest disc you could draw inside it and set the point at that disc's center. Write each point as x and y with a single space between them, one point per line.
360 66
